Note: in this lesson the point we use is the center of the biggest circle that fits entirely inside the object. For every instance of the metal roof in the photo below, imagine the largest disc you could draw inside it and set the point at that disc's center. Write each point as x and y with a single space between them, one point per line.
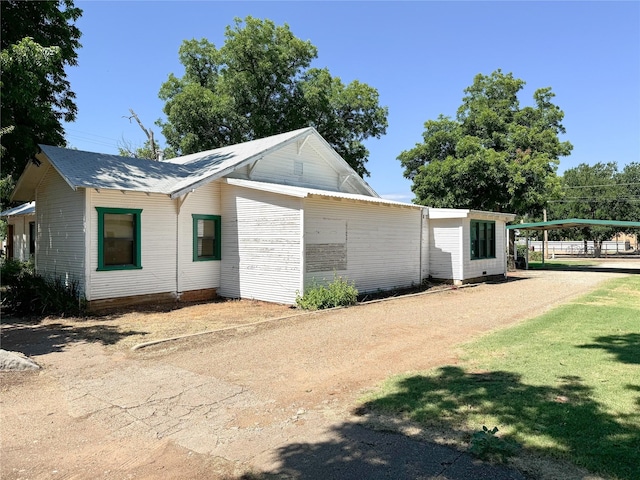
572 222
304 192
24 209
173 177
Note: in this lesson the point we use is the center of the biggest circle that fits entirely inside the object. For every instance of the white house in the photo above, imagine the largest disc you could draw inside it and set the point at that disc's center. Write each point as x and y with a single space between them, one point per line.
21 227
259 220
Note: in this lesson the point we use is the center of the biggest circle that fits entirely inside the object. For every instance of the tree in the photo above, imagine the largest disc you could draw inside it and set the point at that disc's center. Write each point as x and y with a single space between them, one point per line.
38 39
260 83
495 155
598 192
126 149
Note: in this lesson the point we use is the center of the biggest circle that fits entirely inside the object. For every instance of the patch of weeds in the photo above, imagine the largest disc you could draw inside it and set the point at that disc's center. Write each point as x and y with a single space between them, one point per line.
27 293
486 445
338 293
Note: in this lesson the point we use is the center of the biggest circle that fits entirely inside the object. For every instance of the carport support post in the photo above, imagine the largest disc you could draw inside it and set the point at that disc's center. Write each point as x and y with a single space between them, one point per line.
545 237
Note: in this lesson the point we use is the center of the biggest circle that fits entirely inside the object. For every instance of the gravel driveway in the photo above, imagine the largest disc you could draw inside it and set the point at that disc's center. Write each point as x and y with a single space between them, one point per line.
262 398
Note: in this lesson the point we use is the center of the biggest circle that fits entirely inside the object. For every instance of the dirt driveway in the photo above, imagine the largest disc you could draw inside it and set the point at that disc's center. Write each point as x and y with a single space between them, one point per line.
246 399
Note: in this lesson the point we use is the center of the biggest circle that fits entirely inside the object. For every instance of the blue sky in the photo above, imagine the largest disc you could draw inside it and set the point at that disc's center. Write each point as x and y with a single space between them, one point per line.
420 56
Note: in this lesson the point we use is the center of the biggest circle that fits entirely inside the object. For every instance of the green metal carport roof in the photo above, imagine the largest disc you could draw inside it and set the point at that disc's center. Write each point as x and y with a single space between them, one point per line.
572 222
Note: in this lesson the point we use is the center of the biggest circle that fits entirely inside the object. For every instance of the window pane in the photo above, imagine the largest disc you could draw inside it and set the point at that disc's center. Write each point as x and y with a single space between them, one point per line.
119 244
206 238
492 240
206 247
474 240
482 253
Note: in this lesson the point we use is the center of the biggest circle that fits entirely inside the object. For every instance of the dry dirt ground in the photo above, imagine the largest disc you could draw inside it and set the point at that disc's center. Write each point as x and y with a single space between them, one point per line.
251 395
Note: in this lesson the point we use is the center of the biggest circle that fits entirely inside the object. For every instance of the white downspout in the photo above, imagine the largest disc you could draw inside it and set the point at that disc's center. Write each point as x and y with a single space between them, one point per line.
179 202
302 248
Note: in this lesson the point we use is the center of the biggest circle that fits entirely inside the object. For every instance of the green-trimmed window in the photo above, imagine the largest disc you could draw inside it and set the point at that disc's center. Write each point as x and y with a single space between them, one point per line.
119 239
483 239
206 237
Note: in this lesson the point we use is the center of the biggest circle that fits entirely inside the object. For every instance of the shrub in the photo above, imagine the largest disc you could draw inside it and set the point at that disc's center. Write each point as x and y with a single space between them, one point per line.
26 293
339 293
534 256
486 445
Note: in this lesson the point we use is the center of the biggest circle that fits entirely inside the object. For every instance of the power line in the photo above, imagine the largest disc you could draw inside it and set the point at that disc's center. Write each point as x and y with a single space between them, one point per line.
603 185
635 198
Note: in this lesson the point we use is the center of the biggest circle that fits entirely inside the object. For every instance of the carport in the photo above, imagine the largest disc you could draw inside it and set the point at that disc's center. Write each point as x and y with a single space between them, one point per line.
562 224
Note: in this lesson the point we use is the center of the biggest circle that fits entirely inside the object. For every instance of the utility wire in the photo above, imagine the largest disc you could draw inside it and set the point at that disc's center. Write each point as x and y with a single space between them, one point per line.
603 185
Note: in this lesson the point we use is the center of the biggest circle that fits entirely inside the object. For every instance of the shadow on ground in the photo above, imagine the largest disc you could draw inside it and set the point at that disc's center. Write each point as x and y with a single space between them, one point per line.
359 452
626 348
601 268
568 421
34 339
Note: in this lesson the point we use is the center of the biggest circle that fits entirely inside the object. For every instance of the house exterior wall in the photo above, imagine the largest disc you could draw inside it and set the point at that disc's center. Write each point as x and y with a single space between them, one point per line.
261 245
381 243
445 248
60 232
425 240
197 275
487 266
288 166
20 236
158 246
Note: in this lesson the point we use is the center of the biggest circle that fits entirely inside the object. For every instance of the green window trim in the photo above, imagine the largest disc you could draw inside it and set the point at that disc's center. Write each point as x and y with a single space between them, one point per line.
216 255
483 239
136 264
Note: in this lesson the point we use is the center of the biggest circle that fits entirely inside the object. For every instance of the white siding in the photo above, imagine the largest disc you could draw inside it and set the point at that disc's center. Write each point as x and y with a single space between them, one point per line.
488 266
445 244
284 165
21 235
382 242
261 251
158 247
197 275
60 244
424 257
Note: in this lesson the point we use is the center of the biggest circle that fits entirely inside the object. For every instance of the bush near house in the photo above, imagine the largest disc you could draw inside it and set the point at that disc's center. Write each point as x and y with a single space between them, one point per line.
25 293
339 293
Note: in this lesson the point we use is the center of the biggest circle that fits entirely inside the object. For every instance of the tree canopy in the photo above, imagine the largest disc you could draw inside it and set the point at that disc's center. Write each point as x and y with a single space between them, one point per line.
495 155
260 83
38 39
598 192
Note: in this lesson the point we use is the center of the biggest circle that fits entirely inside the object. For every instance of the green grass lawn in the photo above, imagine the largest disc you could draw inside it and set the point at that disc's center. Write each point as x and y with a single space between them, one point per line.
565 384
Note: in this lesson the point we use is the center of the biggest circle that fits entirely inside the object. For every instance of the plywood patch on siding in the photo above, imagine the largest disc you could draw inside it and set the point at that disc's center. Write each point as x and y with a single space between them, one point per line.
325 257
326 245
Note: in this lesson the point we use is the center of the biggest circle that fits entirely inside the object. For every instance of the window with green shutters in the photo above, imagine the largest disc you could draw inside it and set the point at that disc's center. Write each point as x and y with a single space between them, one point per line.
206 237
483 239
119 238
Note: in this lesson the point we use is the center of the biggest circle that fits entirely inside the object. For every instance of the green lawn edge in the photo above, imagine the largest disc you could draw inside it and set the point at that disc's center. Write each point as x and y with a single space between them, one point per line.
565 384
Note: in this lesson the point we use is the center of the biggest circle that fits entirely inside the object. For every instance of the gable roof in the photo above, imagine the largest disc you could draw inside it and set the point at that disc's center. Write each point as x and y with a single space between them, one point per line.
173 177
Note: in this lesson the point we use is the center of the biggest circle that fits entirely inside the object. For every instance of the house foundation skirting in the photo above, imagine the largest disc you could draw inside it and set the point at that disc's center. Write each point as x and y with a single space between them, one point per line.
105 304
485 278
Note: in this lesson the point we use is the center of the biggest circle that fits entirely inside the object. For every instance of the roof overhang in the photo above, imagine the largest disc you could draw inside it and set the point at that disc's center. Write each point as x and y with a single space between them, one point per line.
571 223
21 210
32 175
448 213
304 192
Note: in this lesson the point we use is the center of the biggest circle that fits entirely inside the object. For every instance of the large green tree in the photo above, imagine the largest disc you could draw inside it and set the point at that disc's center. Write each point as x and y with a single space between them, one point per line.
598 192
38 40
260 83
495 155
